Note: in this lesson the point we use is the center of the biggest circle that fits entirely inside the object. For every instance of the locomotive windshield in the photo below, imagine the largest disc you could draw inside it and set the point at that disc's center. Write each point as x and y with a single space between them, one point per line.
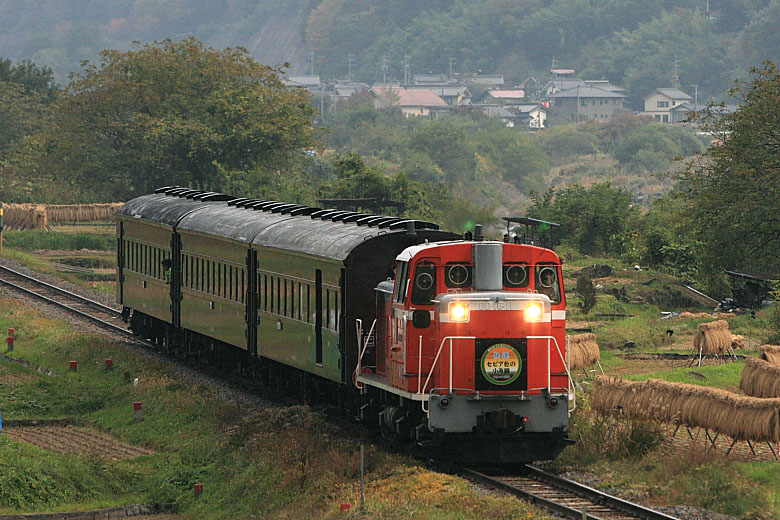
424 283
547 282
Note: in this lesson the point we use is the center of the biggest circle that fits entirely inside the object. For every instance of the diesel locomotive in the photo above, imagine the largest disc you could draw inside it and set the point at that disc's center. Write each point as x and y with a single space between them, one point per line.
456 343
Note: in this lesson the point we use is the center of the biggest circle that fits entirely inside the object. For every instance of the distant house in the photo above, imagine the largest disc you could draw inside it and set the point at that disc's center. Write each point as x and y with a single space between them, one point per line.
661 101
411 102
588 103
565 83
452 93
510 119
504 96
345 89
681 113
309 82
534 115
430 79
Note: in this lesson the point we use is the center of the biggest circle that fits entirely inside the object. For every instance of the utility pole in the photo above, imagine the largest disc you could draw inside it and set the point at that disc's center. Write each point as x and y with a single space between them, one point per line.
695 96
452 64
311 63
350 61
676 76
407 69
384 69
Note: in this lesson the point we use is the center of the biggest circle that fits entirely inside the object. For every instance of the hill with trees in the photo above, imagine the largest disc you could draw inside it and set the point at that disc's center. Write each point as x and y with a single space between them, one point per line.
633 43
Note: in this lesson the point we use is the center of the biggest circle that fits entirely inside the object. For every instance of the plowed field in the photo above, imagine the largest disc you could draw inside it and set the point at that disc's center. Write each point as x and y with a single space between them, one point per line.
70 439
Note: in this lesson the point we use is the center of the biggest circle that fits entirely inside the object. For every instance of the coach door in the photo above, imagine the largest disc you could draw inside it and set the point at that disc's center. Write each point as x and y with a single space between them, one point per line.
318 317
252 302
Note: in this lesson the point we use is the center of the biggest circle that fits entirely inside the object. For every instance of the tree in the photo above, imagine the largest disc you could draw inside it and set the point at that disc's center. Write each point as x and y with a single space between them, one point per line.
734 188
174 113
30 76
594 220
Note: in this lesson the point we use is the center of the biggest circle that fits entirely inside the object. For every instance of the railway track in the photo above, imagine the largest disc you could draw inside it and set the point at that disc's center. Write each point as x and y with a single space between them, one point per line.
559 495
99 314
565 497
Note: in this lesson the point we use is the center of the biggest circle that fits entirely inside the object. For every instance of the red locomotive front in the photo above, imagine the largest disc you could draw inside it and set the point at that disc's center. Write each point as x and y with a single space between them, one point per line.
469 347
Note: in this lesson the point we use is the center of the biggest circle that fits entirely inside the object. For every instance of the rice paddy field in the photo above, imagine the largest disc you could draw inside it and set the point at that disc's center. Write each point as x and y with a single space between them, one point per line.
644 323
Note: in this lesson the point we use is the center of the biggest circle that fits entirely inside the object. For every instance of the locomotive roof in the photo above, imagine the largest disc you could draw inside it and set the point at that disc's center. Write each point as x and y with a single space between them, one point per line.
326 233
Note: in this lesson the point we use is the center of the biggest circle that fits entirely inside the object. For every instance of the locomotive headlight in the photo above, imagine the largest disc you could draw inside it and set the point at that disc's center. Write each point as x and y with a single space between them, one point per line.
533 312
459 312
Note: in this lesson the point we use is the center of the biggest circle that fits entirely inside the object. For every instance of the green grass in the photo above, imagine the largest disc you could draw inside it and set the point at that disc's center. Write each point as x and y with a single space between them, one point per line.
35 239
724 376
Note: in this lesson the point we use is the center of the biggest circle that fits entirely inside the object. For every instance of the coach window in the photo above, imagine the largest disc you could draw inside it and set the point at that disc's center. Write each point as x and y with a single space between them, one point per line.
327 308
300 304
308 303
424 283
546 281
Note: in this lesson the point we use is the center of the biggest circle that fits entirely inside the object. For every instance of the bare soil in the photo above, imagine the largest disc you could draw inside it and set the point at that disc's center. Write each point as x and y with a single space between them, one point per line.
71 439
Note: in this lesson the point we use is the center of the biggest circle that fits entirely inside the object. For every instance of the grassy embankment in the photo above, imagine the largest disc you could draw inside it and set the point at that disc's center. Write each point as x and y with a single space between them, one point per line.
633 457
276 462
86 246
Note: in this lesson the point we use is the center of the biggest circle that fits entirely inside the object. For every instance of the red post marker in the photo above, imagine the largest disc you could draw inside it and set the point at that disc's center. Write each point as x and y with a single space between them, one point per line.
73 365
137 409
11 332
10 343
345 507
109 364
198 488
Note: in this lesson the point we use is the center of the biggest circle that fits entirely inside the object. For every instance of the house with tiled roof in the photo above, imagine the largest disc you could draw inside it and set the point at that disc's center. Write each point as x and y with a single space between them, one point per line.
504 96
587 102
452 93
411 102
660 102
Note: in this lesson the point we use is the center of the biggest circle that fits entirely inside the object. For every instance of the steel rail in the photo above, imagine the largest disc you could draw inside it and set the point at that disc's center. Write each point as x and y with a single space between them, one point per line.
598 499
102 323
60 291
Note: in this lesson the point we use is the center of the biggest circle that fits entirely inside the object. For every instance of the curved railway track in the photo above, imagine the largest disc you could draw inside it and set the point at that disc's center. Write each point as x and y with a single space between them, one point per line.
99 314
565 497
556 494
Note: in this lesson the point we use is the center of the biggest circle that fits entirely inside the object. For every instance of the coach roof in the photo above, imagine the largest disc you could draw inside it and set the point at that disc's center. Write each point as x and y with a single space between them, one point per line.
329 234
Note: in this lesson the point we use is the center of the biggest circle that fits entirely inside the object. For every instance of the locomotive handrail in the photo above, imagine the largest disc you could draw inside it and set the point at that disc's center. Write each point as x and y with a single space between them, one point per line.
361 348
565 365
436 360
451 338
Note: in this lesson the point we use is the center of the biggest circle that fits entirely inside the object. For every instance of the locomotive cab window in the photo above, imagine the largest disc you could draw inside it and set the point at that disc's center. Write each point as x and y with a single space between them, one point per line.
516 275
457 275
547 282
424 283
401 281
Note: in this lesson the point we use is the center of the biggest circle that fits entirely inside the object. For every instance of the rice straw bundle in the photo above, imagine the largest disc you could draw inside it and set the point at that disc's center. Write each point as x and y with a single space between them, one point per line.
38 216
583 351
712 338
760 379
738 341
742 418
770 353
